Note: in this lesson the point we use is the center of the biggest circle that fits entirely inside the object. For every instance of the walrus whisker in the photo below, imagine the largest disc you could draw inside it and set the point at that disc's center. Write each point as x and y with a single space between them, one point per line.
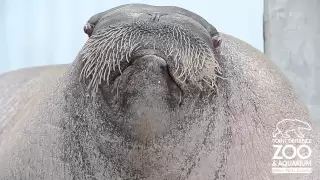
183 69
189 49
176 63
105 67
89 73
136 36
100 75
123 44
220 77
109 70
198 56
88 68
171 50
130 37
208 83
118 63
104 73
185 78
81 74
114 59
108 64
90 85
189 54
201 62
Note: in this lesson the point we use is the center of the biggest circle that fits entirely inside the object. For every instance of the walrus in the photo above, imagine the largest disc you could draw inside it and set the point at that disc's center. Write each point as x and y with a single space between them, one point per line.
149 99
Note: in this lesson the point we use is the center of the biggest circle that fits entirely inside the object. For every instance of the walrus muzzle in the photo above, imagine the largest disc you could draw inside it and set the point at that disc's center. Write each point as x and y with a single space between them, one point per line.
109 51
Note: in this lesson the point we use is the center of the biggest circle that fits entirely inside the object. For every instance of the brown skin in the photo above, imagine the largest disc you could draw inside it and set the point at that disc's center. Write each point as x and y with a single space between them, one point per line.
136 128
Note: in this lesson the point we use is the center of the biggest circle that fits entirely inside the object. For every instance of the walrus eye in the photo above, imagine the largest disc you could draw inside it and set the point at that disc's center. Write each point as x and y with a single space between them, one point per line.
88 29
216 41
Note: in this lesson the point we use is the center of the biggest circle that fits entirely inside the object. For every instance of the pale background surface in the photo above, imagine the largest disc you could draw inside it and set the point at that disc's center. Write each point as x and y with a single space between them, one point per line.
292 30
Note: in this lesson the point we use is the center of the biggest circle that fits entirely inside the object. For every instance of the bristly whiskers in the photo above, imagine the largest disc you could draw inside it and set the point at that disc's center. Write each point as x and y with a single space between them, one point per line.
103 53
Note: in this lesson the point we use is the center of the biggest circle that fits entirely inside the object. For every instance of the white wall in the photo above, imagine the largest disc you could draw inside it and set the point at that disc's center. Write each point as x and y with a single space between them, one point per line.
40 32
292 29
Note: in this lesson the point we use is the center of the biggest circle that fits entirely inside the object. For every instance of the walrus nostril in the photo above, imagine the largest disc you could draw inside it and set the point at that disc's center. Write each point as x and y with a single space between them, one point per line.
155 17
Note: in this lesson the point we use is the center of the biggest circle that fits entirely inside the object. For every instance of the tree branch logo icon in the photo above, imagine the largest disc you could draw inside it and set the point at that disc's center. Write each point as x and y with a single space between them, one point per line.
285 126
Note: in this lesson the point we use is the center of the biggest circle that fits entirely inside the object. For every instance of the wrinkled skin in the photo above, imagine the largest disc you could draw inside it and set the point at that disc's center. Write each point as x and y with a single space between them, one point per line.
144 123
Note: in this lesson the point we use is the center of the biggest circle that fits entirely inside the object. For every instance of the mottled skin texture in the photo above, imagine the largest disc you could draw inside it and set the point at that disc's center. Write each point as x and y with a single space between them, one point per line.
137 128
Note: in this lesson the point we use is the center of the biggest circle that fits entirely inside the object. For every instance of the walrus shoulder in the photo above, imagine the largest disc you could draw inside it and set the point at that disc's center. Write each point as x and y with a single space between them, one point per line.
21 90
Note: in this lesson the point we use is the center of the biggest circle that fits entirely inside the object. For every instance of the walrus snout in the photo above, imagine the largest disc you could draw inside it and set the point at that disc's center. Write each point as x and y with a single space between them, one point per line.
154 63
88 29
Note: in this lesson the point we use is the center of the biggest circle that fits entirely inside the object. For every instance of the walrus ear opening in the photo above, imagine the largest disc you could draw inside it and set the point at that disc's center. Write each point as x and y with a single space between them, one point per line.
216 41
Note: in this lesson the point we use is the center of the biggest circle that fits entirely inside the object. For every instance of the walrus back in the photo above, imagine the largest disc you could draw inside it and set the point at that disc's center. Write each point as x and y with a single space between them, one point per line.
21 91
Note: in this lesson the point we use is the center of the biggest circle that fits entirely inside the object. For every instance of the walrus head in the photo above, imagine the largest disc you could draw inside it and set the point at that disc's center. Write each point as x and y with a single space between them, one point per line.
146 73
181 40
